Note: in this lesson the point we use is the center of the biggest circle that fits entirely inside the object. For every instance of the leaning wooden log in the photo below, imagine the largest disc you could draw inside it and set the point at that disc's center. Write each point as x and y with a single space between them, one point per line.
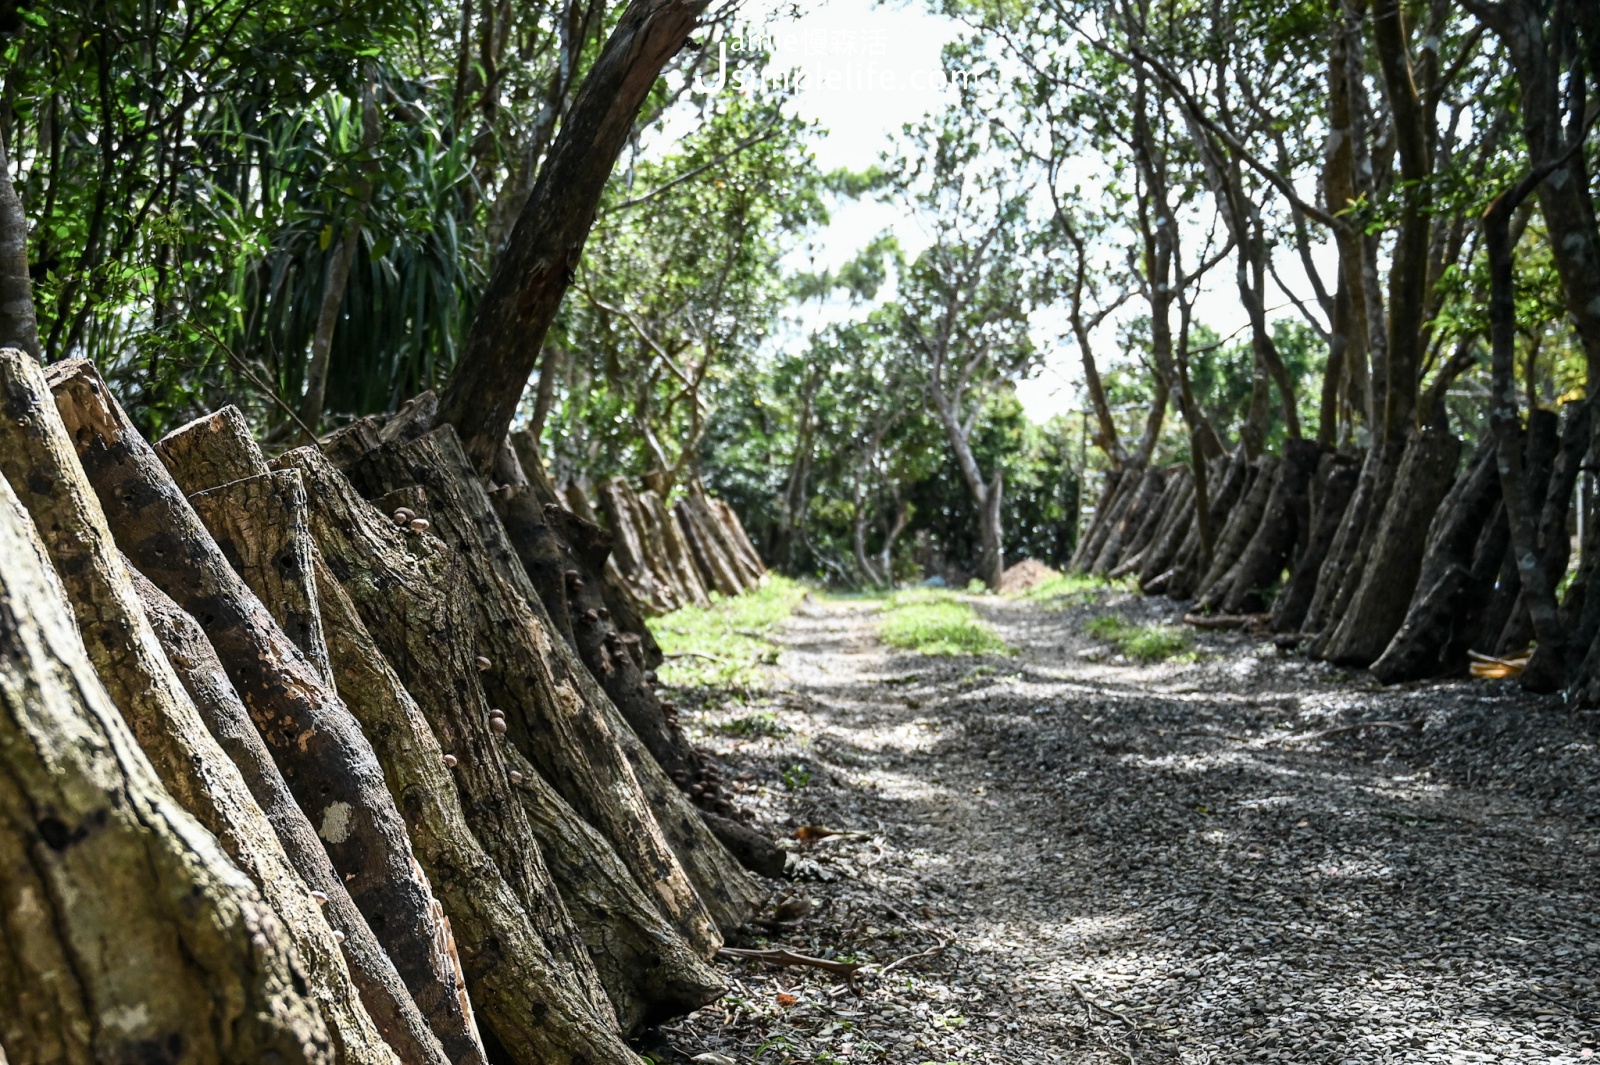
1331 489
648 969
521 957
570 586
1236 534
743 548
1191 564
717 879
1541 441
1340 571
408 595
631 549
711 557
1128 521
536 1005
1128 483
1156 518
225 716
319 747
538 681
627 610
1283 524
1389 577
1091 536
1158 557
714 515
667 533
39 461
1419 648
128 934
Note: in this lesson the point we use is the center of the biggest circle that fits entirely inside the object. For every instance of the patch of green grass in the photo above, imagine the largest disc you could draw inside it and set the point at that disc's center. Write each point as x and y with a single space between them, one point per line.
936 623
1147 643
1075 589
797 776
760 723
723 645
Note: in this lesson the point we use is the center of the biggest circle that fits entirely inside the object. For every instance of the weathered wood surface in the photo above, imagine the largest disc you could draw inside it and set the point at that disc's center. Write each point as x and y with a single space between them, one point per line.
557 713
38 459
325 758
1378 608
128 934
195 660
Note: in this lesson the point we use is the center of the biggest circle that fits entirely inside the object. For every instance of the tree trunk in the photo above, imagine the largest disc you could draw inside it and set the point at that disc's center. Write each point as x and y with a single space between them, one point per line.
1155 531
407 593
743 548
1106 519
1378 607
524 293
18 326
648 969
716 568
672 557
566 736
1243 522
265 515
1418 649
717 879
318 746
128 935
38 459
1334 484
1335 579
1090 536
1154 518
632 549
1284 523
194 659
1140 500
1159 556
1192 561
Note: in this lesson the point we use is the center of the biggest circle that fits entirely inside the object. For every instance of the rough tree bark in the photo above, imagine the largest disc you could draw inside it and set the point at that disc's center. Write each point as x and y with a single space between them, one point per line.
319 747
1243 521
408 595
198 667
538 679
39 461
1140 500
1419 649
1332 487
128 935
1283 524
1378 607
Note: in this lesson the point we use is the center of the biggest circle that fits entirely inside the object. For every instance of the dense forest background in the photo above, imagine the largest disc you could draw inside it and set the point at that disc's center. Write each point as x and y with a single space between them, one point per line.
297 206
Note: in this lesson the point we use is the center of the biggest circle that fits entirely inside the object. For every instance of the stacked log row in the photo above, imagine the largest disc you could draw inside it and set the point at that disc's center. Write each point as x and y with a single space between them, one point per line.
670 557
1397 559
320 764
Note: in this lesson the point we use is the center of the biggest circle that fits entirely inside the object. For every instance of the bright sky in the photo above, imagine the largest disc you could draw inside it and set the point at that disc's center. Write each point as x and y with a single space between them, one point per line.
866 70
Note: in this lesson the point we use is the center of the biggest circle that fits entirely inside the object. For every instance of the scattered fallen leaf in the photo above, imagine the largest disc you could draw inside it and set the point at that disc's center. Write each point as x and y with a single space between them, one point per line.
787 1000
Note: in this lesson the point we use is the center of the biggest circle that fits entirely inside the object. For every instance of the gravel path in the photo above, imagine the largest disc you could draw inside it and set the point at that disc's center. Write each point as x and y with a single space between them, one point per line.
1193 862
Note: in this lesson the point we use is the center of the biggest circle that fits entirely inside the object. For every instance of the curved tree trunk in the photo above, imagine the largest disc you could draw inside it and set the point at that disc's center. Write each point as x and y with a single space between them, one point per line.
128 935
1157 517
1344 561
1158 557
322 752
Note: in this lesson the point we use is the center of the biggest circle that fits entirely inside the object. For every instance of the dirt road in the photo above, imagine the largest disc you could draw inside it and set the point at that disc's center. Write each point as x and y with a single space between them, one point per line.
1193 861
